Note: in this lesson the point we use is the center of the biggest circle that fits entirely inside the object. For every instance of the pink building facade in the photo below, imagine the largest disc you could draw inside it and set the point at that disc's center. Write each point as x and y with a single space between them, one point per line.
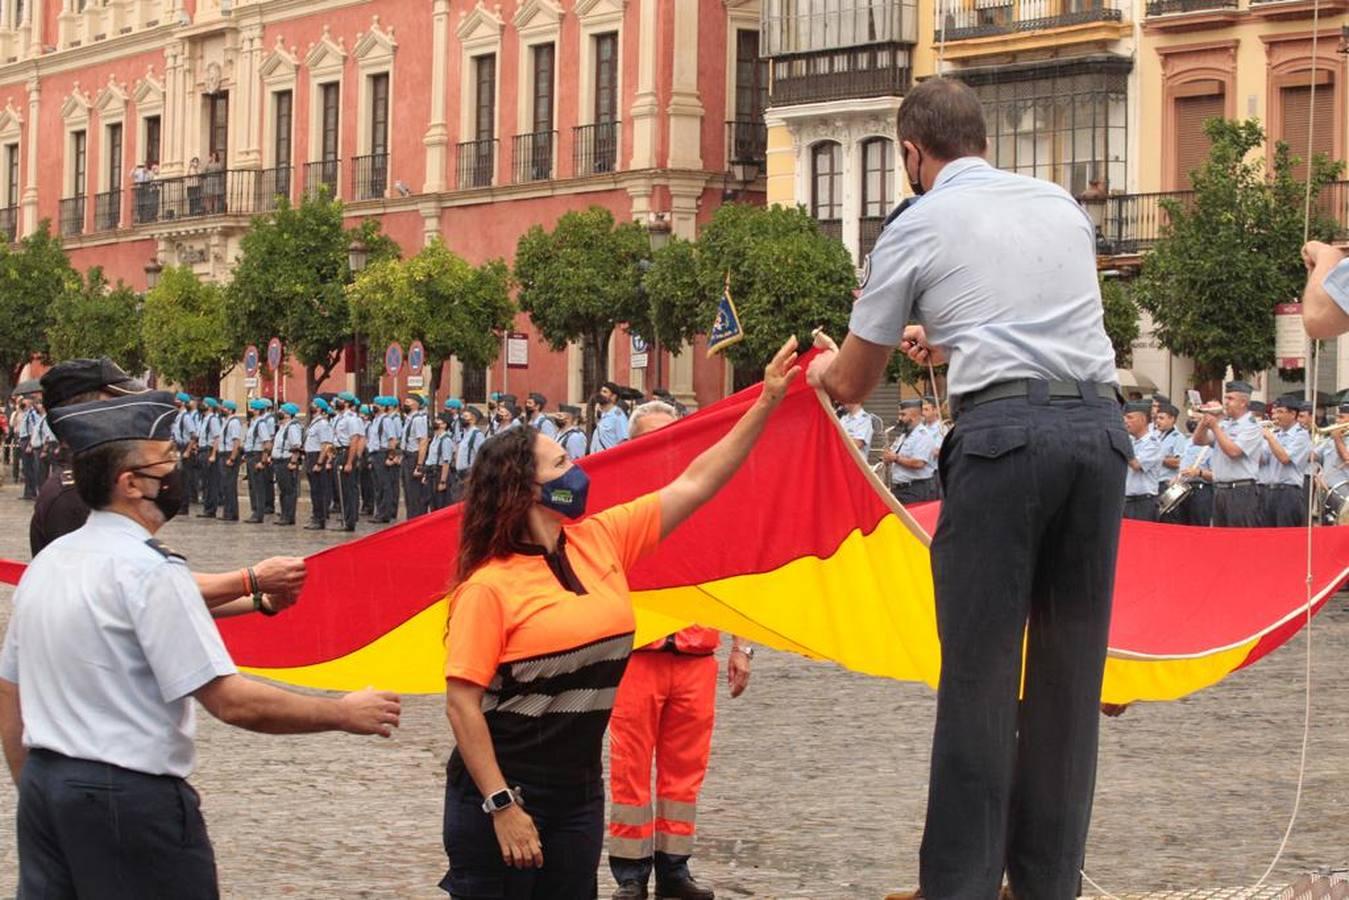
472 121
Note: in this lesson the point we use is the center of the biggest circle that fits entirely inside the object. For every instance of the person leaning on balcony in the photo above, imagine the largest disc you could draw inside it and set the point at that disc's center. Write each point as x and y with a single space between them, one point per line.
1325 300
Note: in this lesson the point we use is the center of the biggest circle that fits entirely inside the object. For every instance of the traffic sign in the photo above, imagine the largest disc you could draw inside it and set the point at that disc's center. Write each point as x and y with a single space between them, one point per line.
416 357
250 360
393 359
415 381
251 383
274 354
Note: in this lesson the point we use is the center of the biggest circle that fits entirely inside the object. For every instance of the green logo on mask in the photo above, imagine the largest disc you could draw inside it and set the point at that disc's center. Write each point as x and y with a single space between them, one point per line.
561 495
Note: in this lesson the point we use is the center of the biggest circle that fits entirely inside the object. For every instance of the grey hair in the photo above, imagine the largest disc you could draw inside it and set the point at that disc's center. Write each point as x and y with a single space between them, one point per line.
652 408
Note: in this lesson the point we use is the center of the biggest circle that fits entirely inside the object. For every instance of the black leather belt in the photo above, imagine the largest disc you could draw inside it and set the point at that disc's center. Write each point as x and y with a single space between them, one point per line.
1283 487
1228 485
1024 387
1140 496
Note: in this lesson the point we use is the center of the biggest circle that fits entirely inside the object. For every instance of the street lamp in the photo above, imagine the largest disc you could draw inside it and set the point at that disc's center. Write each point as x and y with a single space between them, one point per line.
357 255
152 271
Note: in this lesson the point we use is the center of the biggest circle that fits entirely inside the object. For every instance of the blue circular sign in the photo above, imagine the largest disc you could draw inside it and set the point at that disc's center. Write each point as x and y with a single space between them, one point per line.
274 354
250 360
416 357
393 359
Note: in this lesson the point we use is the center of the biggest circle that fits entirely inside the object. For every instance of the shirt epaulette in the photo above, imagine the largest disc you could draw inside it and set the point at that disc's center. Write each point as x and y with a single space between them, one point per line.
164 550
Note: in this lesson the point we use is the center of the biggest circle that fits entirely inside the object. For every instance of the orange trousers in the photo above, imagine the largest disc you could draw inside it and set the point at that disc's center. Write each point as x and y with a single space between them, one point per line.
664 712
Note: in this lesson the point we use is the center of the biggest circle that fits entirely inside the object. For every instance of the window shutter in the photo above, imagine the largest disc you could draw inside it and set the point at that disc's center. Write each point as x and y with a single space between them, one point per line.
1296 112
1192 144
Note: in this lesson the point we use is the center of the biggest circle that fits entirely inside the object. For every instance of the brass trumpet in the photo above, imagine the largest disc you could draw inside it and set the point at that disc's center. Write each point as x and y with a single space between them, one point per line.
1338 428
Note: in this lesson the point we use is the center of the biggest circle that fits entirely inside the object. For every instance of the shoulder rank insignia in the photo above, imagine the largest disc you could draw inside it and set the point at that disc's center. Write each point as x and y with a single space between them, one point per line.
67 478
164 550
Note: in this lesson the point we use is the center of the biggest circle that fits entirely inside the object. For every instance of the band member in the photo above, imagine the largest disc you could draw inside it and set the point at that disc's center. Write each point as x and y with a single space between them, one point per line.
1196 471
1333 458
911 457
1037 403
857 422
1172 442
1237 444
1283 468
1145 468
1325 300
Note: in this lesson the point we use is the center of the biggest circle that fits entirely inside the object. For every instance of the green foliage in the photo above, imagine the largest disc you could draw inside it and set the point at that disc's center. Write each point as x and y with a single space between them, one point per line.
183 328
33 278
98 320
1211 282
581 280
291 282
786 278
436 297
1121 320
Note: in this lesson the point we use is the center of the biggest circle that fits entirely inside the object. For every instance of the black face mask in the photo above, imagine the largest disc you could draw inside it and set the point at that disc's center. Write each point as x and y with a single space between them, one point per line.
916 186
170 497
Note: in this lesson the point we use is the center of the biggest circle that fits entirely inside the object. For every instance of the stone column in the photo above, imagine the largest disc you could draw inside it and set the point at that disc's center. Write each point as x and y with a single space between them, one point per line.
645 108
437 138
30 213
247 86
686 107
175 105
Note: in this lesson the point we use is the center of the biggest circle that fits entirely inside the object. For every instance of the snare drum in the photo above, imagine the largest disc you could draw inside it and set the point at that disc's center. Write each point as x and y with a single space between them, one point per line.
1174 496
1336 507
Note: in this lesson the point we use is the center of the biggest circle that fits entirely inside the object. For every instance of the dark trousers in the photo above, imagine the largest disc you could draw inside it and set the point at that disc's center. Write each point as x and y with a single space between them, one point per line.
44 468
1141 507
1034 492
441 498
229 486
288 486
211 476
1236 506
349 500
192 477
268 475
89 829
414 490
318 489
366 482
1198 509
1285 506
915 491
458 484
570 820
256 497
389 477
29 475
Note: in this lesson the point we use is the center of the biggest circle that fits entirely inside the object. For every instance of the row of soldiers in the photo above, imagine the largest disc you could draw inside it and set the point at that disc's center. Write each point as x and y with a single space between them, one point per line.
908 460
1233 470
360 458
33 446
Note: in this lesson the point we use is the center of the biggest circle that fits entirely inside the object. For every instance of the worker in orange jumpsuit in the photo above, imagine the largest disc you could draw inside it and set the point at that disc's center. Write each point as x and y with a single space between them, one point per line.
664 712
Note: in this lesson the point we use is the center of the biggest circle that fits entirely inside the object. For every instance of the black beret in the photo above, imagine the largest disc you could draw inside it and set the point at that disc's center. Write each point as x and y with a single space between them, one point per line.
1138 406
1159 397
1238 387
612 386
144 417
569 410
80 376
475 410
1169 409
911 404
1257 406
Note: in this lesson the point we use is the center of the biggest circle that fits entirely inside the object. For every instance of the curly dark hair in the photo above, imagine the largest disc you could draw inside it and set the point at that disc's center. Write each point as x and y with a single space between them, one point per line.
497 501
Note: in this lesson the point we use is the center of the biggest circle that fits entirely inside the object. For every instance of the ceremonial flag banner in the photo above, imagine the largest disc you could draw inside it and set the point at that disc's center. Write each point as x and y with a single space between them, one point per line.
726 328
804 552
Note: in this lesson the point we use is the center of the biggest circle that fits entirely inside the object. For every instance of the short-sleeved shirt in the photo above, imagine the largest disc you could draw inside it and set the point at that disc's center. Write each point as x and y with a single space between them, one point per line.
917 444
1000 269
289 438
319 433
573 440
231 435
1246 434
415 432
548 636
372 433
544 424
859 427
440 450
1333 468
467 451
1298 446
1337 284
1172 441
108 641
1194 456
1148 452
390 429
610 431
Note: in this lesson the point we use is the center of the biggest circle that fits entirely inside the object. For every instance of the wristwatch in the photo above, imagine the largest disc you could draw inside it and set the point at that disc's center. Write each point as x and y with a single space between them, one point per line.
502 799
745 649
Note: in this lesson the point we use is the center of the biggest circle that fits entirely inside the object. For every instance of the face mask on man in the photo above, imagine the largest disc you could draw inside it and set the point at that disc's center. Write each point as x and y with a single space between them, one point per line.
170 497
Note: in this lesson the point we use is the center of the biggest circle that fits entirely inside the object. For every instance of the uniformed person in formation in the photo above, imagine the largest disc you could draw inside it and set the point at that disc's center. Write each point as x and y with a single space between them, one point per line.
1196 471
1171 440
910 457
182 440
228 458
207 452
258 439
505 416
857 422
348 433
1283 469
416 440
318 451
571 435
1237 441
467 451
389 461
439 463
366 482
999 272
288 461
535 404
27 428
1145 466
611 422
101 751
1333 459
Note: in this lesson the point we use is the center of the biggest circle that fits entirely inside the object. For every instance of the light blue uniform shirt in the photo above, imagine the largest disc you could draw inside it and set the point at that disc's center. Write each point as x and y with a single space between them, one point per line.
211 427
43 434
917 444
1000 269
859 426
441 449
1148 452
231 434
467 451
372 434
934 431
1298 446
1337 284
260 431
1333 468
193 425
1248 436
1194 455
544 424
319 432
345 426
416 430
108 641
390 429
178 431
610 431
288 438
573 440
1173 443
26 423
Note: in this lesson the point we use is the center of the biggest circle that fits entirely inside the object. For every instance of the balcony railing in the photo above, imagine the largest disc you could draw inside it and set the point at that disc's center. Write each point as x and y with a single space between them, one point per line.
873 70
533 156
477 163
271 185
72 216
1174 7
1131 223
228 192
369 176
595 148
978 18
831 228
322 174
9 223
107 210
746 141
869 231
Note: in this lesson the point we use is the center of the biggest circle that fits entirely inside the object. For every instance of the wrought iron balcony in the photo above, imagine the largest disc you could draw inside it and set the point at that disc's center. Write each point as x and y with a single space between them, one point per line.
595 148
9 223
968 19
1127 224
846 73
533 156
1177 7
746 141
270 186
477 163
72 216
832 228
107 210
322 174
369 176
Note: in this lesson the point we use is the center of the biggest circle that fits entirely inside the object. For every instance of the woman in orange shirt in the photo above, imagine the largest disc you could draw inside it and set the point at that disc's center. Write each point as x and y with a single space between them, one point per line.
540 631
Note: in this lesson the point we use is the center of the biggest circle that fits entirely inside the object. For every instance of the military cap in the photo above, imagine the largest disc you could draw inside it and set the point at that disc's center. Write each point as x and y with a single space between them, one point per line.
320 404
911 404
364 409
211 402
230 405
80 376
348 397
477 413
660 392
1161 398
1344 408
929 399
419 399
1257 406
1138 406
258 403
539 400
454 403
508 399
290 409
1169 409
570 410
388 402
1238 387
494 396
182 397
147 416
612 386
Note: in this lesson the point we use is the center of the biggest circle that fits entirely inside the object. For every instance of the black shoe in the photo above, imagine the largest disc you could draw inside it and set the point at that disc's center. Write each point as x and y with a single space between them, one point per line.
683 889
253 520
205 515
229 518
284 522
348 527
315 526
630 890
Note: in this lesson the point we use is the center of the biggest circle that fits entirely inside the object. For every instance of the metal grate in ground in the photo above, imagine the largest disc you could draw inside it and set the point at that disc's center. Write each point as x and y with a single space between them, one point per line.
1329 884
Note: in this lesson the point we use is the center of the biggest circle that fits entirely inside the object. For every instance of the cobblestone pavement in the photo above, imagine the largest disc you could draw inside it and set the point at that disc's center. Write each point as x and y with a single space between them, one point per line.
817 784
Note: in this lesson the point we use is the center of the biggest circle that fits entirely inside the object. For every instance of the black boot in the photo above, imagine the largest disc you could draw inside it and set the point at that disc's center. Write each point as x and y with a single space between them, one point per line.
683 888
630 890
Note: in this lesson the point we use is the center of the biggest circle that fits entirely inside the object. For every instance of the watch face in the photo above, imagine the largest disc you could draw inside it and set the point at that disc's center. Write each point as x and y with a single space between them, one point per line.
501 799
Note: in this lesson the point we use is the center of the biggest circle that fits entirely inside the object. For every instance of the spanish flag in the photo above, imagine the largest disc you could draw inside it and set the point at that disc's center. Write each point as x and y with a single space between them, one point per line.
804 551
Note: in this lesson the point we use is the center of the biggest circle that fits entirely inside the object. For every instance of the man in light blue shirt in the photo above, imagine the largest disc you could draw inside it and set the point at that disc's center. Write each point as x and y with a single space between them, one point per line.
258 437
228 459
389 460
1325 300
467 450
857 422
208 451
318 454
1145 468
572 436
1172 441
912 467
1237 444
1282 469
348 433
1196 471
287 461
611 422
535 404
416 440
995 273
